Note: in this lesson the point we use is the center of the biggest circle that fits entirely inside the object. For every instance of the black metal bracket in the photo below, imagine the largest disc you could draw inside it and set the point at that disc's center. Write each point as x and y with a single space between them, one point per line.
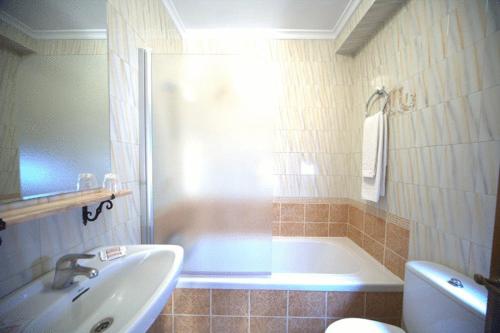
87 216
3 225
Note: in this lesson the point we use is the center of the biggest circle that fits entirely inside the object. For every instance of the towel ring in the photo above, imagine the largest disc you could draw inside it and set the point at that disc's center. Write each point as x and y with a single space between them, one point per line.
378 92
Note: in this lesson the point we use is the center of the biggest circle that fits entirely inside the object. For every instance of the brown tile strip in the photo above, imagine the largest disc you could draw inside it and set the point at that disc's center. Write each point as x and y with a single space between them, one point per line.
306 304
356 218
291 212
192 301
272 311
229 302
337 230
375 228
345 304
317 212
384 236
339 213
271 303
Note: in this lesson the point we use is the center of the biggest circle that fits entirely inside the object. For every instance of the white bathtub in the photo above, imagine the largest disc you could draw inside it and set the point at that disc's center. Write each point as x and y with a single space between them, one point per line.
309 263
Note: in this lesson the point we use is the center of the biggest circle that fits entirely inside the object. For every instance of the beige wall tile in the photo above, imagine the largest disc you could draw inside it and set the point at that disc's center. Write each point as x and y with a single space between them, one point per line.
394 263
276 229
356 218
355 235
339 213
306 304
444 148
398 239
276 211
192 301
267 325
306 325
230 324
190 324
292 229
317 212
316 229
230 302
268 303
337 229
374 248
162 324
384 304
292 212
345 304
375 228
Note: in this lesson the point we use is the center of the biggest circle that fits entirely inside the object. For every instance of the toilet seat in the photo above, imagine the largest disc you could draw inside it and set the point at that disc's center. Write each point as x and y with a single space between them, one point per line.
355 325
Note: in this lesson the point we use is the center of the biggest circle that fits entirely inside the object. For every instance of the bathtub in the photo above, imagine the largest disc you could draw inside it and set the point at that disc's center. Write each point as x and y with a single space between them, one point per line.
312 264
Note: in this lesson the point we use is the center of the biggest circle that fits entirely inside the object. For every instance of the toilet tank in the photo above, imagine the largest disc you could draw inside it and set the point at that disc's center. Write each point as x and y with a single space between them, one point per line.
432 304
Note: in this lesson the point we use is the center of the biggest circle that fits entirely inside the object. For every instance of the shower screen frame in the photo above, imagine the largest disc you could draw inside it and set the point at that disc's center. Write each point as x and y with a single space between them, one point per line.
145 147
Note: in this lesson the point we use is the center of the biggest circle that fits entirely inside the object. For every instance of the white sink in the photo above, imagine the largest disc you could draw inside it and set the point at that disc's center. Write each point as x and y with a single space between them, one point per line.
131 290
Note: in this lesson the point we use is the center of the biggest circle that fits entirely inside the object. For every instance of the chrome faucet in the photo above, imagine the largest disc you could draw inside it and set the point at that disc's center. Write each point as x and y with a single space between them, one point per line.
67 268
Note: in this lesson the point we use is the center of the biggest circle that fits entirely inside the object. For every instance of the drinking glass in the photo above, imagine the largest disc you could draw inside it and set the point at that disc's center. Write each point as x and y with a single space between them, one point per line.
111 182
86 181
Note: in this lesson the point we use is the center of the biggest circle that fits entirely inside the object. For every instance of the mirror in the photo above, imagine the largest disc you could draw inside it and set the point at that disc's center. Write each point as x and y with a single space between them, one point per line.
54 118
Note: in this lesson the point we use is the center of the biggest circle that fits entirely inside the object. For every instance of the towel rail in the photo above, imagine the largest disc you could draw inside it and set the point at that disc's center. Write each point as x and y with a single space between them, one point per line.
378 92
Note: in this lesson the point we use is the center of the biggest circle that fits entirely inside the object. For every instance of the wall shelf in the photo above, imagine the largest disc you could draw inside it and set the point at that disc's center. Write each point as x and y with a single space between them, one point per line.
56 205
365 22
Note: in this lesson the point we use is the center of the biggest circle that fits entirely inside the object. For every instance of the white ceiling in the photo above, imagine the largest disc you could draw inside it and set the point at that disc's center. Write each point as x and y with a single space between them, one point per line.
292 18
40 18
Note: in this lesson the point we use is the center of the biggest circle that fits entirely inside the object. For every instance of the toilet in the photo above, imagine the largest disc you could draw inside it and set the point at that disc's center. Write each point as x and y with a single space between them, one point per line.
436 299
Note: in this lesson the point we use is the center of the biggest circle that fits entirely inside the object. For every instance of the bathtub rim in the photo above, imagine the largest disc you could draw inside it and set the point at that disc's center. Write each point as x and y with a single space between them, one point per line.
372 278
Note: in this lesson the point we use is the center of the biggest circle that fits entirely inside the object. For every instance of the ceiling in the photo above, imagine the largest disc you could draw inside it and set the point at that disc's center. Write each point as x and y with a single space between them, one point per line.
44 18
279 18
285 18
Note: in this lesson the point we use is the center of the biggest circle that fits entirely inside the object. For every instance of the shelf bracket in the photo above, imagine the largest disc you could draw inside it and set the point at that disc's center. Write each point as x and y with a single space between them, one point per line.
3 225
87 215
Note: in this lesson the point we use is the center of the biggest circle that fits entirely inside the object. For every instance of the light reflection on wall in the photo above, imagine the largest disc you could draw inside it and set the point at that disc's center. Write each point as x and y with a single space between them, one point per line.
37 172
224 123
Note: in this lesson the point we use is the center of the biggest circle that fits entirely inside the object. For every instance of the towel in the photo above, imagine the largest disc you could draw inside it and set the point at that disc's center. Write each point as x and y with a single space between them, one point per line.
371 133
372 188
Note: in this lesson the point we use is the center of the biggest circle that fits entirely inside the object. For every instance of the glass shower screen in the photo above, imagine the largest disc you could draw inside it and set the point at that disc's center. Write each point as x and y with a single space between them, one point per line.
211 159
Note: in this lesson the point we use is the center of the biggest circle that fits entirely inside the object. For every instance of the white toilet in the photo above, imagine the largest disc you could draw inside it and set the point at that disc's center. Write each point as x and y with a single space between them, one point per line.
436 299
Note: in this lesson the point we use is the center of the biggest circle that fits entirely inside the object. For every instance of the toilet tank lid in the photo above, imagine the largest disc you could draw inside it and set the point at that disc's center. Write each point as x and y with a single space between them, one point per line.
472 296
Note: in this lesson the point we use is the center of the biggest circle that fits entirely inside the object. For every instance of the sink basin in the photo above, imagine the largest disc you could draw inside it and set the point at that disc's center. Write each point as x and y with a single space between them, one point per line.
126 296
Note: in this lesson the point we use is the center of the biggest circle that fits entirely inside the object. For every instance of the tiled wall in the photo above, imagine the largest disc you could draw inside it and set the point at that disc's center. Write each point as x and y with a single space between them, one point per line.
310 218
271 311
444 52
310 157
31 249
444 152
312 106
384 236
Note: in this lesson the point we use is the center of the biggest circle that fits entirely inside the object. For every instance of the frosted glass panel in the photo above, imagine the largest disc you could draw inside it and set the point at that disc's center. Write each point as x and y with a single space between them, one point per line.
212 118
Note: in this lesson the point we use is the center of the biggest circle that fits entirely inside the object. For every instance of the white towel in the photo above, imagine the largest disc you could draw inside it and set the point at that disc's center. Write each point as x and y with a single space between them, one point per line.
372 188
371 134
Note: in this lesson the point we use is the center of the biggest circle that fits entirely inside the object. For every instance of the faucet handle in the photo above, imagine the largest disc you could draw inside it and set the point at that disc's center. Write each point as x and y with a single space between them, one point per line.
71 259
